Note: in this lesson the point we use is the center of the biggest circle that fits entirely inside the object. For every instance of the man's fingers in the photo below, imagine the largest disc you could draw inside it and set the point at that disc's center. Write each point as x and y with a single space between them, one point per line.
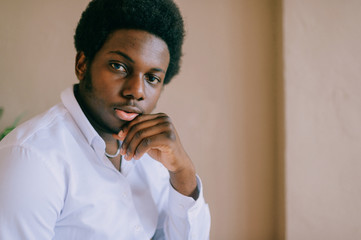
136 137
156 143
141 128
123 133
145 145
143 118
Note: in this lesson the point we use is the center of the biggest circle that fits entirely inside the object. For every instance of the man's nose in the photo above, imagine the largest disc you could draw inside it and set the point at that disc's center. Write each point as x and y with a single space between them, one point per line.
133 87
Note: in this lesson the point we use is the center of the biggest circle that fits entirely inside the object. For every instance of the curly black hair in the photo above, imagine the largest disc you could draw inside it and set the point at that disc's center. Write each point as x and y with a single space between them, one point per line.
159 17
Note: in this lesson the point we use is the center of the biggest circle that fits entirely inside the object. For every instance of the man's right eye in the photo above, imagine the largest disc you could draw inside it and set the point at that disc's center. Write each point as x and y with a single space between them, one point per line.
118 67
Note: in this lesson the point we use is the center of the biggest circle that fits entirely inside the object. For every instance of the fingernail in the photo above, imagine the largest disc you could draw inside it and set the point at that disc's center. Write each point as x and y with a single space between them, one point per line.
116 136
120 133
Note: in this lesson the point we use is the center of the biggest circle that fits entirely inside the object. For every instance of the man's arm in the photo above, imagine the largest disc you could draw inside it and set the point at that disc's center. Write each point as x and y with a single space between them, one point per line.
188 219
30 196
188 214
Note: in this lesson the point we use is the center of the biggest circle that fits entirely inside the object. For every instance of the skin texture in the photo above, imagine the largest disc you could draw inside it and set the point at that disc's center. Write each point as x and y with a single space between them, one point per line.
126 76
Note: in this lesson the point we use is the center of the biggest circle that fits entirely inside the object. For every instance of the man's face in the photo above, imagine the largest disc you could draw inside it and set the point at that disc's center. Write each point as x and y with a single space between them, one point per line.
124 79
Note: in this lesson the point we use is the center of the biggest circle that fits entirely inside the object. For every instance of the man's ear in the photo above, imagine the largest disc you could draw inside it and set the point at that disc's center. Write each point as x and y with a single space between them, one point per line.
81 65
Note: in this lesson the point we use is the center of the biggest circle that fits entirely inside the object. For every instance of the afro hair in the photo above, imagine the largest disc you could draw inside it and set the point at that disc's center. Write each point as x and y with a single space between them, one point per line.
161 18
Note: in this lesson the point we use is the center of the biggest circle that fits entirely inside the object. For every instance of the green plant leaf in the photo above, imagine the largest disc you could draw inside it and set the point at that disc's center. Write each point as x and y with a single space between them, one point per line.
6 131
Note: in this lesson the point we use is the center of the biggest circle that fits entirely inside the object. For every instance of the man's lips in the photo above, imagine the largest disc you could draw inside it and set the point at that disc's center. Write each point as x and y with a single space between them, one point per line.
125 115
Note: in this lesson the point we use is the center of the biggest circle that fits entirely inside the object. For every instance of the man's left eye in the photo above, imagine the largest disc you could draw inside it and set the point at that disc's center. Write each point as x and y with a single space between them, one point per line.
152 79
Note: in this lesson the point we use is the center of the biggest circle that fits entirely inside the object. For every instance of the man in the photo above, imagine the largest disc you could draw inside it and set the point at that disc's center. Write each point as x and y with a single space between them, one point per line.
100 165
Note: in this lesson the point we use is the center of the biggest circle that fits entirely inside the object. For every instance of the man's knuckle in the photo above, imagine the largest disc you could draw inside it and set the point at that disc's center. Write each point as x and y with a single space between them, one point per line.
165 118
167 125
138 134
146 142
170 135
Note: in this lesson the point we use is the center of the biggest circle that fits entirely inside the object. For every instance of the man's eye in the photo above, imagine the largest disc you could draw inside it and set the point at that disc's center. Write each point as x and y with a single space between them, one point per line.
118 67
152 79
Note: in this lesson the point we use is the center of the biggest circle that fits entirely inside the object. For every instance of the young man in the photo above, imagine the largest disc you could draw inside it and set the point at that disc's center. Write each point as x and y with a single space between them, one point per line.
100 165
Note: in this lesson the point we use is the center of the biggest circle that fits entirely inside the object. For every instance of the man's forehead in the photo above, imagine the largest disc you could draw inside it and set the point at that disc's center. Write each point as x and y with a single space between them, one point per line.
126 40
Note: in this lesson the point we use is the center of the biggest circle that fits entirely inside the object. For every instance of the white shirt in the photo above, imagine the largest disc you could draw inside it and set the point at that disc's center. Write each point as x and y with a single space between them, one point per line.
56 183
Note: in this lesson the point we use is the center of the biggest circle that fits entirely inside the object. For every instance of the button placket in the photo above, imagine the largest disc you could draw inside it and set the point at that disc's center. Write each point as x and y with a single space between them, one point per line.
125 195
138 228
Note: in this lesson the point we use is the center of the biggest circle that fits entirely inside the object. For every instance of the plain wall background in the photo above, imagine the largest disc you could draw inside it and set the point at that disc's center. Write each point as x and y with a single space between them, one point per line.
226 114
322 56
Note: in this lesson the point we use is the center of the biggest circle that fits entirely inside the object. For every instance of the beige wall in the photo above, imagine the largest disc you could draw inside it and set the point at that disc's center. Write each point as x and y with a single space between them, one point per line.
225 111
36 54
223 102
323 119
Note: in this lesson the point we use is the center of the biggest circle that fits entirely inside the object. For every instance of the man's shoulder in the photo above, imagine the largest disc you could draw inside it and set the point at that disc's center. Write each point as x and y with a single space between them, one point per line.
42 129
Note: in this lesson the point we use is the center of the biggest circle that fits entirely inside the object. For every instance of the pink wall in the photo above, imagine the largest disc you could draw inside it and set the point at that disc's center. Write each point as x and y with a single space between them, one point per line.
322 56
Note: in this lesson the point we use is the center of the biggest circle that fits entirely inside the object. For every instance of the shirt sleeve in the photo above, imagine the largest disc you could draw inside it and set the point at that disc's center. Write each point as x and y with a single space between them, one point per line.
187 218
31 195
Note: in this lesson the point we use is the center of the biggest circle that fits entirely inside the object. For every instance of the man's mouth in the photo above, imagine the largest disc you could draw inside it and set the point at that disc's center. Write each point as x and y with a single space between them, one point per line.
125 115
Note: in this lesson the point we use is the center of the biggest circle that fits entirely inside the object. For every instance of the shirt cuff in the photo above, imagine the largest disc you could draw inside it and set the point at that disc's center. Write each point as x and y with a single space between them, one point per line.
181 205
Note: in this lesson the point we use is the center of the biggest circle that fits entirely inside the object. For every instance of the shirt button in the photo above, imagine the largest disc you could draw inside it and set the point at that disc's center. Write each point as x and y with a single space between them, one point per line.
125 195
137 228
181 206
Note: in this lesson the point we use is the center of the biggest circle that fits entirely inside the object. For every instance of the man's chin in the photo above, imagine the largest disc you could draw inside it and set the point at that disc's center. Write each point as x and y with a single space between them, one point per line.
115 129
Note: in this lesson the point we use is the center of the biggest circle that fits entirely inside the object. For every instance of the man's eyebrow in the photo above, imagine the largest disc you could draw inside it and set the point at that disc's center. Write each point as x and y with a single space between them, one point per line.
123 55
158 70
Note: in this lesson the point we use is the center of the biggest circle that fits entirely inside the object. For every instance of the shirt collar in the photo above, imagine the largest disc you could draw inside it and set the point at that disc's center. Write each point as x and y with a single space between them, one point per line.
92 137
72 105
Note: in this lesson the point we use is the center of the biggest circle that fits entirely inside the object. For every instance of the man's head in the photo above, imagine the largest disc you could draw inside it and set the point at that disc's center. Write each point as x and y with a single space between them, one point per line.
158 17
126 51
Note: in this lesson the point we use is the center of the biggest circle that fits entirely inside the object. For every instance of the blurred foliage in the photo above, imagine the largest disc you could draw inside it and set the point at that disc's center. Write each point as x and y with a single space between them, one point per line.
10 128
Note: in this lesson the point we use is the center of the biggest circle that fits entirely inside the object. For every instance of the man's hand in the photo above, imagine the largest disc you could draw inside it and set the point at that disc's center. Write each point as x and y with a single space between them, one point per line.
155 134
